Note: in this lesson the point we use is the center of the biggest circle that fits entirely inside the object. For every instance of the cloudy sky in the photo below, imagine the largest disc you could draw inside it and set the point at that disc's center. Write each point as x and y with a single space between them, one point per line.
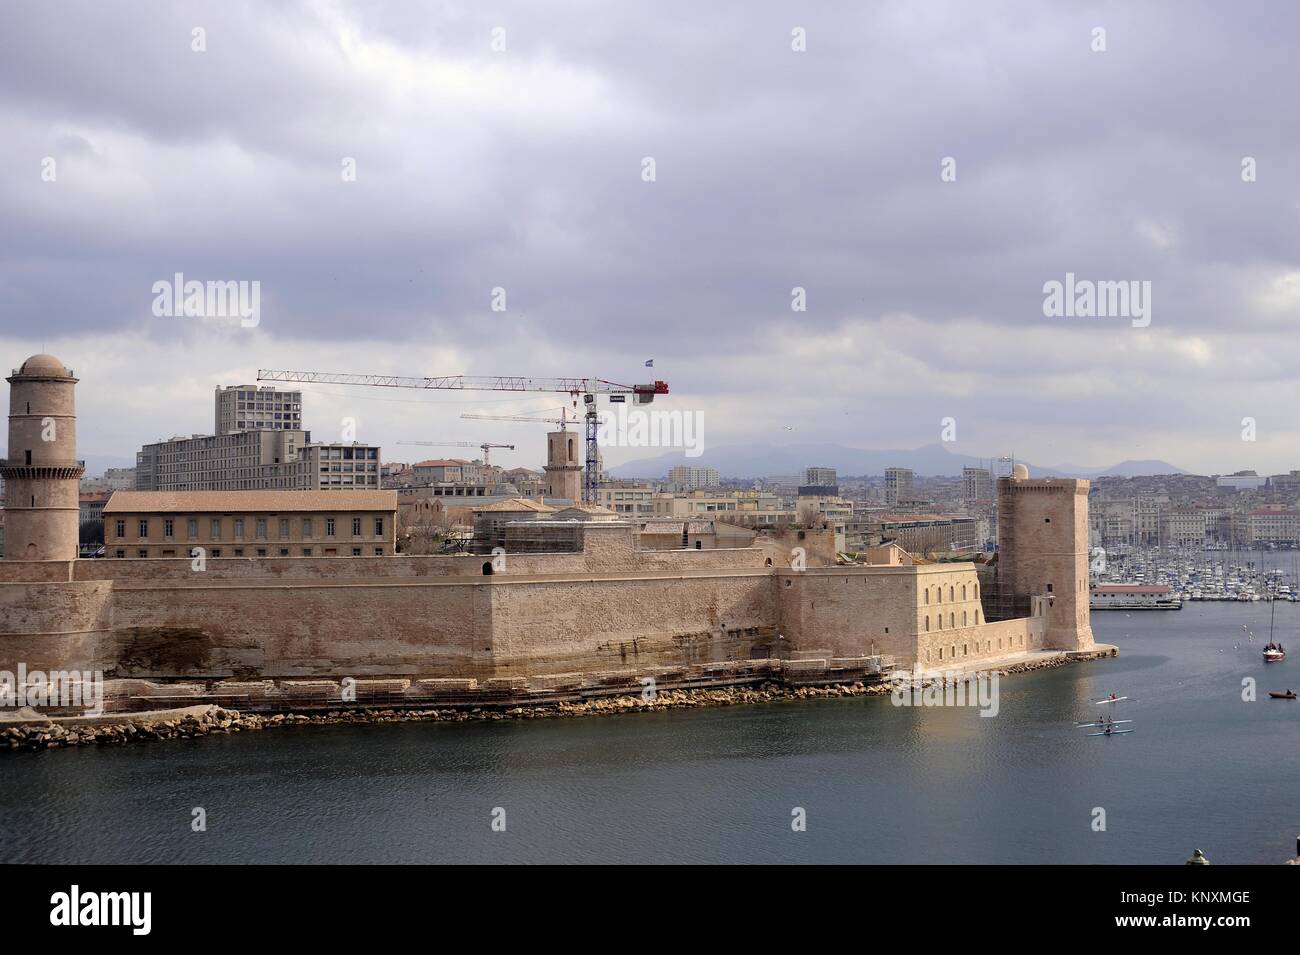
127 155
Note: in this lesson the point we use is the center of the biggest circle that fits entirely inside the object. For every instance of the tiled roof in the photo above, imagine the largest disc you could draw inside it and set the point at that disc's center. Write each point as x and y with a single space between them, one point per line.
514 505
187 502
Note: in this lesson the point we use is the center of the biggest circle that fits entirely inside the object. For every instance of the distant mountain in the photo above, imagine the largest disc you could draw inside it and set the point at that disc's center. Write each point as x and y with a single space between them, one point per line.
753 460
1144 468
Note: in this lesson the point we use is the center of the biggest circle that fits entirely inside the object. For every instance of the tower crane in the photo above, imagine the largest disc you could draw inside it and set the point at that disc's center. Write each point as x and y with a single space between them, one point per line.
563 420
589 388
485 446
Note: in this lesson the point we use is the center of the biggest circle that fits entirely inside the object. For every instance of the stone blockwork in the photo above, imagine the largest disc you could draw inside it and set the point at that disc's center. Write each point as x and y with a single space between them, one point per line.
602 616
612 607
1043 533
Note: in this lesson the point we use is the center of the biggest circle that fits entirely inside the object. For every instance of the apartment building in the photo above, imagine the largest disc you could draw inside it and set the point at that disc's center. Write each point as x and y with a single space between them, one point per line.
632 500
255 461
899 485
259 445
447 471
977 484
683 477
257 408
1274 525
702 502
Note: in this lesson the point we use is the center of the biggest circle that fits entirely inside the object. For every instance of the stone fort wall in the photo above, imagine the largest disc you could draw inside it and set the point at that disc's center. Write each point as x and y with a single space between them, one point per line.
612 607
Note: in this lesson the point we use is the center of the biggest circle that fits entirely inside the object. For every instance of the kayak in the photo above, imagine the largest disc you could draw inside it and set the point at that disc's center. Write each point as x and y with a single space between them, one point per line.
1112 733
1113 722
1116 700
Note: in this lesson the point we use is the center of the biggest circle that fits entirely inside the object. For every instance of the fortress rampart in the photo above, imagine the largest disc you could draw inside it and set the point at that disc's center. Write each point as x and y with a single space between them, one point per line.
611 608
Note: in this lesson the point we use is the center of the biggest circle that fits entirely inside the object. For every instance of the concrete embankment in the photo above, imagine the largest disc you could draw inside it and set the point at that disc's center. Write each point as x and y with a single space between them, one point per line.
28 731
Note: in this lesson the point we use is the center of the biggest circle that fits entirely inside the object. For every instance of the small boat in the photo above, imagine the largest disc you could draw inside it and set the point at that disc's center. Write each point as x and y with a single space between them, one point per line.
1112 723
1113 733
1288 695
1273 650
1113 699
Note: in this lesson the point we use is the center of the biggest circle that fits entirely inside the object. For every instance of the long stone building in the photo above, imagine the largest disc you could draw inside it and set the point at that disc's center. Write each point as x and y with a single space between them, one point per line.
612 606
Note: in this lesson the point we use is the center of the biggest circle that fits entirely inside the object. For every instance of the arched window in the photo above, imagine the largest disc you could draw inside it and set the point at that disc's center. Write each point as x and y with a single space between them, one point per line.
952 620
927 623
963 591
952 592
938 594
977 591
963 618
927 594
487 568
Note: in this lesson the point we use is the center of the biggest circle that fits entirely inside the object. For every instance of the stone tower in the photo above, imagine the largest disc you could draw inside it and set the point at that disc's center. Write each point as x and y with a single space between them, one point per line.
564 465
42 472
1043 552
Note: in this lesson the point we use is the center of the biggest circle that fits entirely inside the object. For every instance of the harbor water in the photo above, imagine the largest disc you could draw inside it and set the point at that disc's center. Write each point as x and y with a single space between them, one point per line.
875 782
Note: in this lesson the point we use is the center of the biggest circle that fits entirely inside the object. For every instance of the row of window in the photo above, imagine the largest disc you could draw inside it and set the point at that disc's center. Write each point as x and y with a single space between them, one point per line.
986 646
145 552
260 527
952 620
952 593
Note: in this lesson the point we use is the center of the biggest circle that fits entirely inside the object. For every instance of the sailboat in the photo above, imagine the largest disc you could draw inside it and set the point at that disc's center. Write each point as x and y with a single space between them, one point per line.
1274 652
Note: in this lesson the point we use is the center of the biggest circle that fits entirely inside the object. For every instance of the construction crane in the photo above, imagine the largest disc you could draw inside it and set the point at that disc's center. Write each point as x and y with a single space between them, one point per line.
589 388
563 420
486 445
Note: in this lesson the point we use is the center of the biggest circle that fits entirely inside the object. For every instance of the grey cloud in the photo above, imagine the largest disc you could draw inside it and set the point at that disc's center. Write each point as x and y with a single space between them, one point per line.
775 169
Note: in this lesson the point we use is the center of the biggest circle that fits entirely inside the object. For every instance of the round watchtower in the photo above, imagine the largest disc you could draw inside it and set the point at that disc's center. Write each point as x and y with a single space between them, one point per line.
42 473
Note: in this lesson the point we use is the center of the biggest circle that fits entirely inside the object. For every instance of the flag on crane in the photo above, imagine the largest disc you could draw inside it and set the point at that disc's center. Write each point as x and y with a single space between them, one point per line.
650 363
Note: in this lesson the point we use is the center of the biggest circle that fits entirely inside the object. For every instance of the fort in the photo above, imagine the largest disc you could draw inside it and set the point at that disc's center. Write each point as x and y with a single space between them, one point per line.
277 631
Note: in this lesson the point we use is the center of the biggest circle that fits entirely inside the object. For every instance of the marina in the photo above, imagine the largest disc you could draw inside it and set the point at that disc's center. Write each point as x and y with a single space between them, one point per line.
1157 578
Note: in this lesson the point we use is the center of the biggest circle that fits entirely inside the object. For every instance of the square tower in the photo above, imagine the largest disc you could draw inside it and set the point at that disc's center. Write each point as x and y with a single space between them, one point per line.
1043 552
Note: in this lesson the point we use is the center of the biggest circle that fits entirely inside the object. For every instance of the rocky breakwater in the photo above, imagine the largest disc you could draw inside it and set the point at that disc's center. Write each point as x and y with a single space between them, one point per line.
198 721
30 731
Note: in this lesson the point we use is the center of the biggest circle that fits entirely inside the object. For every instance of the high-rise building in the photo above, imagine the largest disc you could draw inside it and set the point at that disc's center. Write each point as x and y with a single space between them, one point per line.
683 477
898 485
254 408
819 482
821 477
977 484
